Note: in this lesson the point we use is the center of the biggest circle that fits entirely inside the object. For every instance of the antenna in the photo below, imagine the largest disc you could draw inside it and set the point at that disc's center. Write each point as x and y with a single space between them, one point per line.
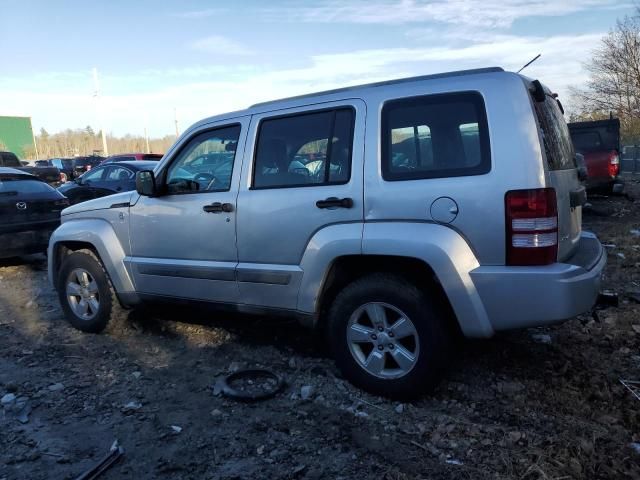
530 62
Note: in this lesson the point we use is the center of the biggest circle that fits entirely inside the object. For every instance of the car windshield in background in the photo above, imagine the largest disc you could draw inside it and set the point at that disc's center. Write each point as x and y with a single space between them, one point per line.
42 163
17 185
152 156
555 135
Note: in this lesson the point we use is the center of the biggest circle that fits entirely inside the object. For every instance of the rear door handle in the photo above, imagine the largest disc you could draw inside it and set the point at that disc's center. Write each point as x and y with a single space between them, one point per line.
218 207
335 202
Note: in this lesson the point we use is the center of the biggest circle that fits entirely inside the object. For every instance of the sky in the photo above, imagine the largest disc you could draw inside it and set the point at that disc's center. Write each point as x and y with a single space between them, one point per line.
190 59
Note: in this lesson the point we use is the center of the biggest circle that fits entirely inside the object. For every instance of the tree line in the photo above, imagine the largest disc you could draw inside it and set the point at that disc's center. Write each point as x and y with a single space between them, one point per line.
84 141
613 88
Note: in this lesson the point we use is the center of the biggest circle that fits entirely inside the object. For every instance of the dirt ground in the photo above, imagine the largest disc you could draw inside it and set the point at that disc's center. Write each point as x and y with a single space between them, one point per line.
537 404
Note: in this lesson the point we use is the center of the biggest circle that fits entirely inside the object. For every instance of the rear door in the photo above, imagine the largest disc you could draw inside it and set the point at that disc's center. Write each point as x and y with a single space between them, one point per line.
562 174
303 174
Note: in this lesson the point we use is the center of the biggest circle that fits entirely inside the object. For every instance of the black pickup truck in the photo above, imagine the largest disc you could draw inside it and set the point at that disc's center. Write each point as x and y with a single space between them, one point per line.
51 175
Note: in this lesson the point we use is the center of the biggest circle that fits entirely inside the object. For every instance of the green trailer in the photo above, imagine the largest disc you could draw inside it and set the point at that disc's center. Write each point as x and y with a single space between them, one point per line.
16 135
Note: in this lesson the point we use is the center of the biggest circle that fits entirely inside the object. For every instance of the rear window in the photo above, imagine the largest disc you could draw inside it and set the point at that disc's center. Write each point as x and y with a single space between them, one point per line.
586 141
555 135
435 136
9 160
152 156
18 185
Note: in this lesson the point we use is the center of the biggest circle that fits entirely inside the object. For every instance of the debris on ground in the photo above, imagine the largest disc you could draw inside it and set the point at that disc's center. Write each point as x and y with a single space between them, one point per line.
633 386
115 453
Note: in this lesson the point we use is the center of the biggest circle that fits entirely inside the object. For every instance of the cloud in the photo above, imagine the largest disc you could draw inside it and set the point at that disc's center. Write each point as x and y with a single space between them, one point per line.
478 13
195 14
220 45
201 91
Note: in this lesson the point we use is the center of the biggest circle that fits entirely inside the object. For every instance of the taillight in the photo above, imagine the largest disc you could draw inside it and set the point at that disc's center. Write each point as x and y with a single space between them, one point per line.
614 164
531 223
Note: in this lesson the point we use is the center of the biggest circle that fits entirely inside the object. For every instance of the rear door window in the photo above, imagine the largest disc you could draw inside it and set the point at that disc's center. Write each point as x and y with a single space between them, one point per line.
435 136
310 148
555 135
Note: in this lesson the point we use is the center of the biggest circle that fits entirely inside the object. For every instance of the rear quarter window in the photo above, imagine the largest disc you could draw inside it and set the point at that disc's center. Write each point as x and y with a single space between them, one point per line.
435 136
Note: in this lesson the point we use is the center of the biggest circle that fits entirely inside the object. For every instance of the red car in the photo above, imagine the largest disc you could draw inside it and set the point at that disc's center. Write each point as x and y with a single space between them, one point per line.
129 157
599 142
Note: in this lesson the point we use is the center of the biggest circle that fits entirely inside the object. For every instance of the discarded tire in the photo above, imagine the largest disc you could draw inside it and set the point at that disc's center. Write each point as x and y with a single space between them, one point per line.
271 384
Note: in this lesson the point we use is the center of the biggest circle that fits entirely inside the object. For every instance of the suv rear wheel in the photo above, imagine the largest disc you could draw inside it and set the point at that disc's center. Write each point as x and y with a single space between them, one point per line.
387 336
86 294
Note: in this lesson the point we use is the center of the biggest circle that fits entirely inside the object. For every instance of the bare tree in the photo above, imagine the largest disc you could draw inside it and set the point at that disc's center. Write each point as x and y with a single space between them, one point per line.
614 79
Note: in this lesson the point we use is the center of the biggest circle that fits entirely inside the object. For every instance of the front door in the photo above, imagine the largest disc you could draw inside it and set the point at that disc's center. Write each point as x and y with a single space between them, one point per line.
305 175
183 243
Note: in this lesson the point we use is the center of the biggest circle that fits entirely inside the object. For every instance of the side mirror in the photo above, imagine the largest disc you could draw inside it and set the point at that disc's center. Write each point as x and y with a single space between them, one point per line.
146 183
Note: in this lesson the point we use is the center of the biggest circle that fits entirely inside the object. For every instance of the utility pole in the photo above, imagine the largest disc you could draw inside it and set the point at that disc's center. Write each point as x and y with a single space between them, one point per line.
35 144
146 135
146 139
96 95
175 119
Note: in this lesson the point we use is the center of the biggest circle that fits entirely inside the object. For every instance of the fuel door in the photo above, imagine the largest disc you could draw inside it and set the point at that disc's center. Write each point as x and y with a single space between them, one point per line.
444 210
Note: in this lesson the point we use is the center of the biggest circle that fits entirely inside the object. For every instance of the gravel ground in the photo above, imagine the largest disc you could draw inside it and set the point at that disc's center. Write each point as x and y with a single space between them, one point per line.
537 404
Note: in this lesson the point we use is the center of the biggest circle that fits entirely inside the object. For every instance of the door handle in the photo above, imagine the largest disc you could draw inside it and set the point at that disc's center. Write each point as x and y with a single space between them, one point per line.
218 207
334 202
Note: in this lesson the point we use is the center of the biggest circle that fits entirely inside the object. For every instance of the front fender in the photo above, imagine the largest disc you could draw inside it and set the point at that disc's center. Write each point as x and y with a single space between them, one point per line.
100 234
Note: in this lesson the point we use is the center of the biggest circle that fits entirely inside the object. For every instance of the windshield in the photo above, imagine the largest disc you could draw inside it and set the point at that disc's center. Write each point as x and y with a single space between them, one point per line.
16 185
555 135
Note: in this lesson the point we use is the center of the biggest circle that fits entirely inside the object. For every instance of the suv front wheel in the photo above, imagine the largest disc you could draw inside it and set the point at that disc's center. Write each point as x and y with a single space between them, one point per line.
86 294
387 336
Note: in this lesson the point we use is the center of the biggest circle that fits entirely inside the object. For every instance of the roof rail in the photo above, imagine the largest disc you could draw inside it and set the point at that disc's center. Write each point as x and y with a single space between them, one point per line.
458 73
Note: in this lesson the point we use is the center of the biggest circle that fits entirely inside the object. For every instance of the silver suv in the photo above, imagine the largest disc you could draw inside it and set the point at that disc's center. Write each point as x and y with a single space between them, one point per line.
392 216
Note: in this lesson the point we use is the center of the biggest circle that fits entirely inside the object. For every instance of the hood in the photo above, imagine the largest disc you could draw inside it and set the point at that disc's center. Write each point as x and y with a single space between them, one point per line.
101 203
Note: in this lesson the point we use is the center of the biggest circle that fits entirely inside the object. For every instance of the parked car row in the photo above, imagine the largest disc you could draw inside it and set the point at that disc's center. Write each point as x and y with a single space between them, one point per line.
390 216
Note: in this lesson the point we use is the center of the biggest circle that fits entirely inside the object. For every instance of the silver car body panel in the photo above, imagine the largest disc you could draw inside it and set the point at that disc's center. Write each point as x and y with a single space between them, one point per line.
100 233
275 249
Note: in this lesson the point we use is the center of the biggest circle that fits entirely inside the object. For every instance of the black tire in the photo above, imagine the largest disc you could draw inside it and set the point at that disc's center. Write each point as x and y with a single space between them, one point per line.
109 309
429 325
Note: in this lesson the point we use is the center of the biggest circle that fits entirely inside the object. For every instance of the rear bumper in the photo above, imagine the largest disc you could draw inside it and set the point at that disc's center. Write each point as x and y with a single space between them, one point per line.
520 297
24 242
604 184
